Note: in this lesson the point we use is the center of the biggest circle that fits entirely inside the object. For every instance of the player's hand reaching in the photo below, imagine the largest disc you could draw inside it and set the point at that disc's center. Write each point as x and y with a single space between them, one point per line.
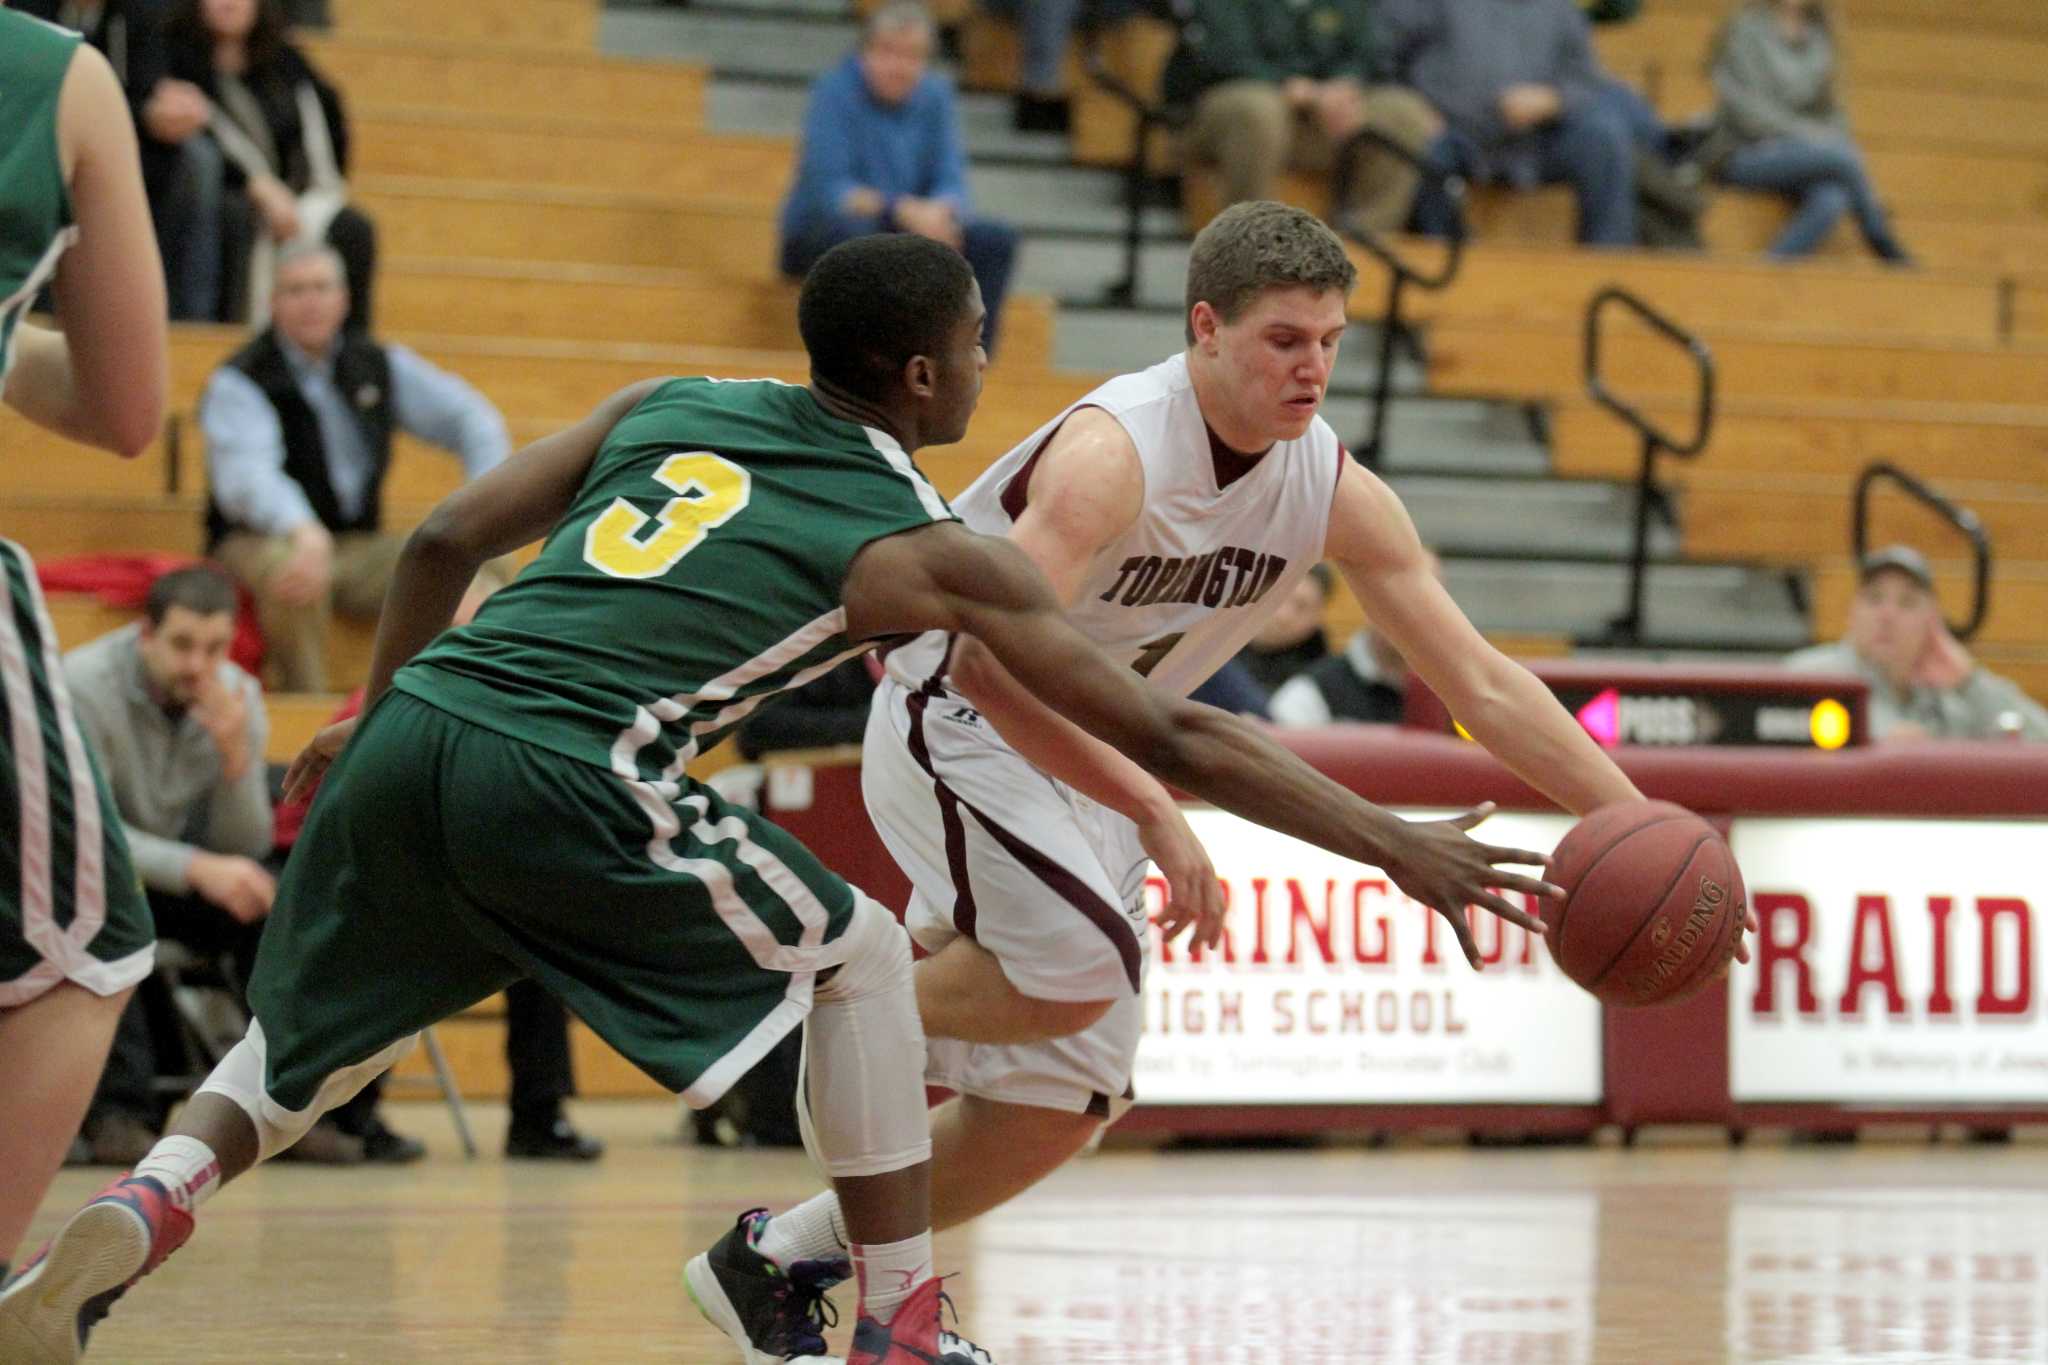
1193 895
1441 865
314 760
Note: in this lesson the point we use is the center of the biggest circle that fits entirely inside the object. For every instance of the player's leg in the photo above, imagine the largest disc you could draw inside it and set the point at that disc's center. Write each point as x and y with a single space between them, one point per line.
362 950
294 633
866 1123
693 937
51 1050
963 993
985 1153
1062 941
75 934
1022 1113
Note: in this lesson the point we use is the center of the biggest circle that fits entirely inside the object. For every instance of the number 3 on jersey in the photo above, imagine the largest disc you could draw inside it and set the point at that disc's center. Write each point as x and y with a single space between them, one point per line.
710 491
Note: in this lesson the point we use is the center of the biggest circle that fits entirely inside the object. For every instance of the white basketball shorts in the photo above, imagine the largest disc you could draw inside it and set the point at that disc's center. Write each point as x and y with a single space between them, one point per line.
1049 881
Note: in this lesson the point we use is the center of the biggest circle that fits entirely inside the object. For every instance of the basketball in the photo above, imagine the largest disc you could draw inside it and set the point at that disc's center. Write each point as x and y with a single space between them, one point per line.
1653 903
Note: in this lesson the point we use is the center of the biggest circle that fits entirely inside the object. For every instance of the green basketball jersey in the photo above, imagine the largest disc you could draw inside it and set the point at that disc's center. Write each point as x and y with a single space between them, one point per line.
697 573
35 208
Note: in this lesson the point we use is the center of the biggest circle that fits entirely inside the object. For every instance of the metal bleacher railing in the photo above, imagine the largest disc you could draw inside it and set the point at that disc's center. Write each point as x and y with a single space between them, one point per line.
1627 628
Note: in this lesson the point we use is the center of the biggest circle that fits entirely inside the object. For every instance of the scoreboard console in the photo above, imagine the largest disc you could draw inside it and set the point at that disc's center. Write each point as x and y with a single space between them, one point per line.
1666 705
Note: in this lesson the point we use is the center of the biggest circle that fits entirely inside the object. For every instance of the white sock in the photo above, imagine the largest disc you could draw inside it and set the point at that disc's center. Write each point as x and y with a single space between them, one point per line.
812 1231
186 1168
890 1273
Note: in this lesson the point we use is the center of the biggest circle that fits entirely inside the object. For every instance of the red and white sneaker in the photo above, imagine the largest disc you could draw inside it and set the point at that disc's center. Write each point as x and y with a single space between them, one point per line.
48 1310
915 1336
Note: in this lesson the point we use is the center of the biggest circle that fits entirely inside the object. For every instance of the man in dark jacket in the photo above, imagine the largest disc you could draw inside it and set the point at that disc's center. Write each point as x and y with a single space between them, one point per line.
299 426
1275 86
1526 102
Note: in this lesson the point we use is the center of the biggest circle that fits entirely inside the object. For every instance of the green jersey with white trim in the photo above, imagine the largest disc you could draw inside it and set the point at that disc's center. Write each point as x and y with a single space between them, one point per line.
698 572
35 208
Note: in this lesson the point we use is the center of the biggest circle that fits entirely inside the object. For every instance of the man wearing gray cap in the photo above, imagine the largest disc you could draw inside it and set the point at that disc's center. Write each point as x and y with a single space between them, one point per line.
1923 683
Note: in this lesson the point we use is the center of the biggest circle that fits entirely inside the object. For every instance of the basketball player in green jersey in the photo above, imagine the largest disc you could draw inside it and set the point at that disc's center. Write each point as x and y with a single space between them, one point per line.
514 800
75 933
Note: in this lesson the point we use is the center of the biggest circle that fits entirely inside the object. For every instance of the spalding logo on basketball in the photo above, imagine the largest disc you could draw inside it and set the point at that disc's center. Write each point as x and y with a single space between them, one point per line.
1653 906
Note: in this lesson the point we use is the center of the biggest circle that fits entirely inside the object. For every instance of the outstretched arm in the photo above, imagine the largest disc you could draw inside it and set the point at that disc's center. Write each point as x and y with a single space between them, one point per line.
944 577
1499 702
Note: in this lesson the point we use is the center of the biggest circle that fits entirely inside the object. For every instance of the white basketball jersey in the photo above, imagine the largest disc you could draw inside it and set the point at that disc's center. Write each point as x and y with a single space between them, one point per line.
1188 584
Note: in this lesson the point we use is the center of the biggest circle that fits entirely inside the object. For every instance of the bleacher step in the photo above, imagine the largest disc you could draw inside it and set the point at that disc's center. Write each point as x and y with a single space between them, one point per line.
1517 516
1062 199
1709 603
780 44
1082 270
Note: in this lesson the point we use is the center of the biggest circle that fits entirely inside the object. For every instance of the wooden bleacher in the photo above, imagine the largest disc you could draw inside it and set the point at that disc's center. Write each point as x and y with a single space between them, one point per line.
1550 285
395 69
552 25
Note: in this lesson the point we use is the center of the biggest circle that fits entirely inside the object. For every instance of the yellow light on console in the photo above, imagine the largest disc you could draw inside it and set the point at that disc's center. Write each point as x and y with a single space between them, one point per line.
1830 724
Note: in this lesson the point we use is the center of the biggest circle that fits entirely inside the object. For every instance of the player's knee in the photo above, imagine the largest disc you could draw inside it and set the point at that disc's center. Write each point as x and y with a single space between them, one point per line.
877 956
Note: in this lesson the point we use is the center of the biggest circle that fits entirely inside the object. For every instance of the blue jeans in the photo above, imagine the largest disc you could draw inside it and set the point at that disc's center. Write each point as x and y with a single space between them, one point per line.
1045 27
189 224
990 248
1592 148
1827 180
1623 102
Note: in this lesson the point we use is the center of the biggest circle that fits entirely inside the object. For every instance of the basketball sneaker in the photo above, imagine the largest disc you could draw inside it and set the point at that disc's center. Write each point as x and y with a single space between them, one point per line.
915 1336
48 1310
771 1312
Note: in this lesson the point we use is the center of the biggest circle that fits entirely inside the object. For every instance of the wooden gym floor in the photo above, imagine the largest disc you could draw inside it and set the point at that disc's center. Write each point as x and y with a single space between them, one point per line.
1666 1255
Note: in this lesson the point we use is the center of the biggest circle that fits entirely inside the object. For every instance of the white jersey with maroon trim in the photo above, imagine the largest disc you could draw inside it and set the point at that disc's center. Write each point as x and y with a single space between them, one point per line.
1187 585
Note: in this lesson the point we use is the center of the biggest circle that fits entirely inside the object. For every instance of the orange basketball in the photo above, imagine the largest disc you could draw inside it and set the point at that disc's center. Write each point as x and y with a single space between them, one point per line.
1653 903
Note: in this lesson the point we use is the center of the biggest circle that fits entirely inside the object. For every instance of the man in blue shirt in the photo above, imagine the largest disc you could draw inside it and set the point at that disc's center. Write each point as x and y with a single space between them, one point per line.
882 153
299 426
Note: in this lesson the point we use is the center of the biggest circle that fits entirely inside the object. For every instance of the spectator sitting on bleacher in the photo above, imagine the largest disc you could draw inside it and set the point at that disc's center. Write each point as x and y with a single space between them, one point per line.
1923 683
260 147
180 734
1366 682
1781 127
1045 29
167 112
1293 637
1527 104
299 426
1288 85
882 152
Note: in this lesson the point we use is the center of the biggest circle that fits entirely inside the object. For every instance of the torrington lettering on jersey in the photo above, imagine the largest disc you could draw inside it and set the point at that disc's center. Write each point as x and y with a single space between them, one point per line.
1233 576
